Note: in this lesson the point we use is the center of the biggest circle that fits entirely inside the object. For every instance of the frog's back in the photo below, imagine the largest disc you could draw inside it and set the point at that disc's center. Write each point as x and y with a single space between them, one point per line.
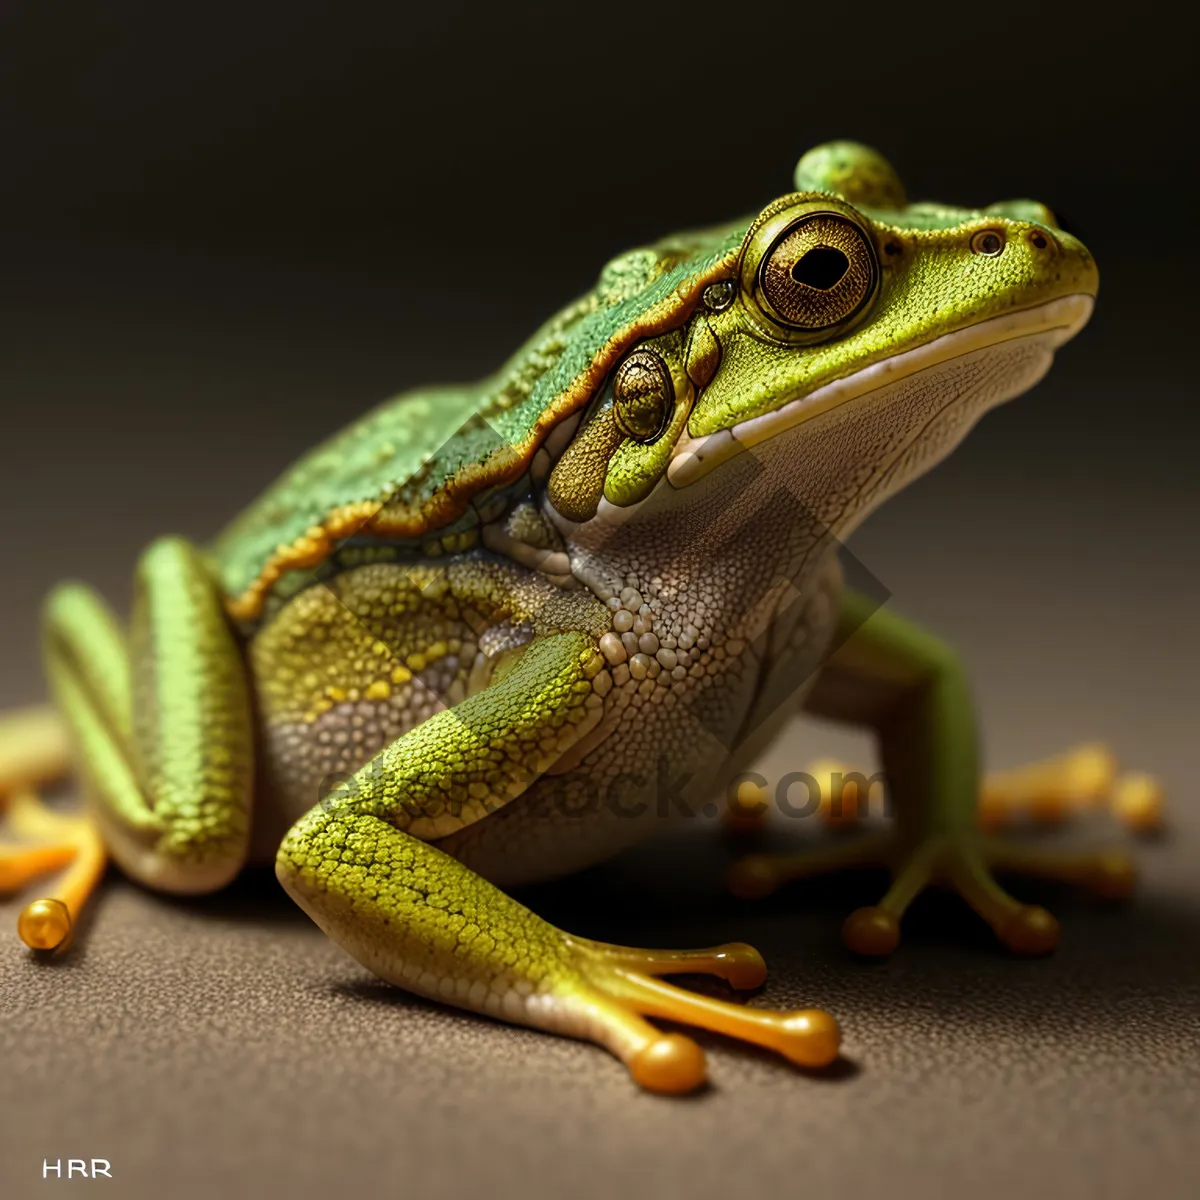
410 469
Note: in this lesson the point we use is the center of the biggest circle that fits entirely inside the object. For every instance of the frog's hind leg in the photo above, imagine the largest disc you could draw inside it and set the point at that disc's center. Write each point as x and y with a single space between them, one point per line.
423 920
161 735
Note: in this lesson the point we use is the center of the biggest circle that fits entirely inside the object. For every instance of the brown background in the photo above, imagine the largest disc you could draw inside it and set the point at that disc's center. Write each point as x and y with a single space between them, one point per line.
224 233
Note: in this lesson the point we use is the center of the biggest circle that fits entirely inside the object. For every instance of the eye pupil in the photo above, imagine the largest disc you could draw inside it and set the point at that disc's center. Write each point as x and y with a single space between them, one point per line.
822 267
818 273
987 242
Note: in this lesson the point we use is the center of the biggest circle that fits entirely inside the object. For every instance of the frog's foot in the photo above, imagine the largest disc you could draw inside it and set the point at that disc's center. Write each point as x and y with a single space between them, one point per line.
1082 779
617 987
424 921
50 841
964 862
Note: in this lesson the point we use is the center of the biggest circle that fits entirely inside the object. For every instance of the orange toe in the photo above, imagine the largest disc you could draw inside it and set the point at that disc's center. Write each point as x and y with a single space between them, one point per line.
1113 875
1137 800
1030 930
44 924
752 878
871 931
812 1038
741 966
672 1064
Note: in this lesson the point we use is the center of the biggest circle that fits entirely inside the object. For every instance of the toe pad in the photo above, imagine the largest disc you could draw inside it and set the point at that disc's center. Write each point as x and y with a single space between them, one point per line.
673 1064
752 878
44 924
871 931
813 1038
1030 930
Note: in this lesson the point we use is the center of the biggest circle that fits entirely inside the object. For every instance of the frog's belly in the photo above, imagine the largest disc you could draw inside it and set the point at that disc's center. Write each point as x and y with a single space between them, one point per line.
666 766
345 669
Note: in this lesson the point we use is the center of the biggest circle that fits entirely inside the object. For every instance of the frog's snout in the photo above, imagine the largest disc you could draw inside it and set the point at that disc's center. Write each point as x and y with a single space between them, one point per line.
1072 258
1049 261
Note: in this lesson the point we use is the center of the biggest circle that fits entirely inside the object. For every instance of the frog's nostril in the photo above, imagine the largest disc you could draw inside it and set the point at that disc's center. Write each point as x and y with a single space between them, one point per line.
822 267
1038 239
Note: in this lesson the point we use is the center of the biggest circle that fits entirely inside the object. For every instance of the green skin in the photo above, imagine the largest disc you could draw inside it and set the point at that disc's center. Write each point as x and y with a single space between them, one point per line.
590 585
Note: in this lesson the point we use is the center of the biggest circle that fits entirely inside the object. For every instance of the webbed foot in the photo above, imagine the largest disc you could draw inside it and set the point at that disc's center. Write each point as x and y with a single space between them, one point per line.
622 986
964 863
966 860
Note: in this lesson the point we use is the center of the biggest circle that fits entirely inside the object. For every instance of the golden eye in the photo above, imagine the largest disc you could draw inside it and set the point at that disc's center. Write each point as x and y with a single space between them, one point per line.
819 272
643 396
989 242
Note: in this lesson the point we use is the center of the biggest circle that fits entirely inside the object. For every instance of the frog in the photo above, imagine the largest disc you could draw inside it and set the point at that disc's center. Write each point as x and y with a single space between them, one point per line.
457 648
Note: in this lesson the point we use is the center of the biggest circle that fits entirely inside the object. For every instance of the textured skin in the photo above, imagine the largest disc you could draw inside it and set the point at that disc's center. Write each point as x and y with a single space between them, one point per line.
425 925
191 708
493 617
349 669
164 728
932 283
413 465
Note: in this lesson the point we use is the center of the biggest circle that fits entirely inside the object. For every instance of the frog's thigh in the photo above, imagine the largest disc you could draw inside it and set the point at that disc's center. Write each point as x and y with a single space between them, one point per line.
911 688
424 921
161 725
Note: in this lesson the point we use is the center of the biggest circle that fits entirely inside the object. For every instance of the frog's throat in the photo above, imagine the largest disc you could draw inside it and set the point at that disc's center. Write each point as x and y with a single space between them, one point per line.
1062 319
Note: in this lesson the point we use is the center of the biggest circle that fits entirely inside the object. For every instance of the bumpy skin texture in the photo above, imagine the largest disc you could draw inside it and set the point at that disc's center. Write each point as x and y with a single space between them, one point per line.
379 653
516 619
414 465
164 725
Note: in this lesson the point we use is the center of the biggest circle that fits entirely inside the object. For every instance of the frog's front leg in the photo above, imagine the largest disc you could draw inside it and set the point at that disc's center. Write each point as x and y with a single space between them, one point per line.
161 733
912 689
422 920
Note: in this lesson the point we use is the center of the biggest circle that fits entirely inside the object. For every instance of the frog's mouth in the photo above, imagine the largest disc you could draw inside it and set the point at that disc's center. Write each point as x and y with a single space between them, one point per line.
1053 322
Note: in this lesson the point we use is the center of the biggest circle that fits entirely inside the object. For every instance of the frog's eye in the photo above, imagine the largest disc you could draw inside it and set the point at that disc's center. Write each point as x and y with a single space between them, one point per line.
819 272
808 269
989 242
643 396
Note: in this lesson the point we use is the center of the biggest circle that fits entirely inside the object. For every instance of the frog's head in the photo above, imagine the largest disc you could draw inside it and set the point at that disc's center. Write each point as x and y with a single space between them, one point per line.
843 318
